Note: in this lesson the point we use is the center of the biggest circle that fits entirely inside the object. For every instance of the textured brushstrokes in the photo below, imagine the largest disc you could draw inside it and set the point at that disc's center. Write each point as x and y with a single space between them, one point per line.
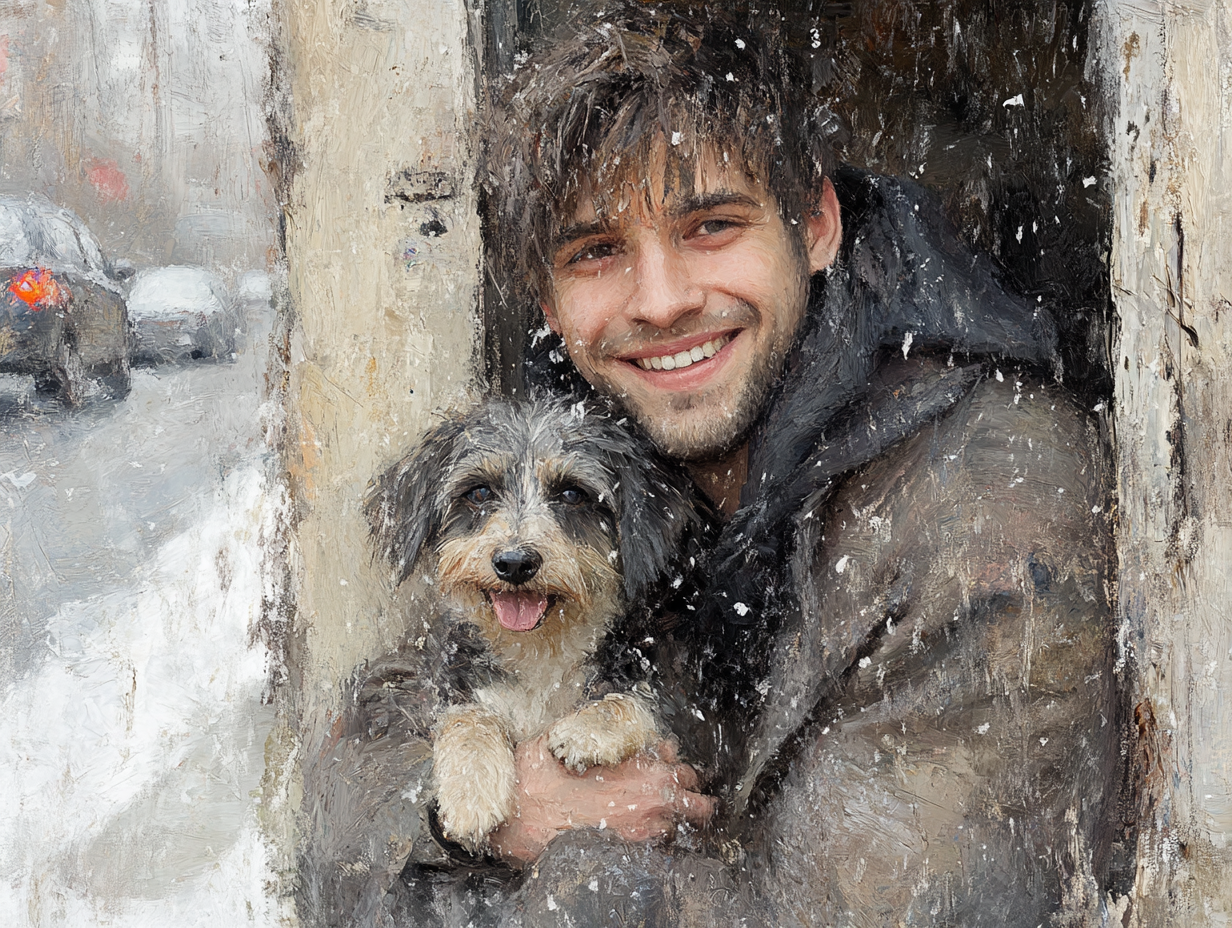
1168 68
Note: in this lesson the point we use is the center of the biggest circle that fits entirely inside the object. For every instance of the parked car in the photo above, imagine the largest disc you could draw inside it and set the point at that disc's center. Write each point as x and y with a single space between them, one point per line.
63 317
181 313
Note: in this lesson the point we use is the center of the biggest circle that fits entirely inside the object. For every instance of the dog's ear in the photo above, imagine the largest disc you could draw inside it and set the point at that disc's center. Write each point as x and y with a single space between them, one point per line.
659 507
403 505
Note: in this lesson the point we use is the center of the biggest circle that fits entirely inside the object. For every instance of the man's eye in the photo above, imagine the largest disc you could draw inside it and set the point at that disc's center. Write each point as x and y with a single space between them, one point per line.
596 251
573 496
716 226
478 496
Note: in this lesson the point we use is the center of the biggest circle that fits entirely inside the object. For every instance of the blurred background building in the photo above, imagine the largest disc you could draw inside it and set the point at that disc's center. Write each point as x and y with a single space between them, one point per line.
145 118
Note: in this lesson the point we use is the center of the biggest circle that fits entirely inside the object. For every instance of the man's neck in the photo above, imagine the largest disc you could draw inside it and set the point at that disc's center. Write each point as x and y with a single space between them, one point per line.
722 479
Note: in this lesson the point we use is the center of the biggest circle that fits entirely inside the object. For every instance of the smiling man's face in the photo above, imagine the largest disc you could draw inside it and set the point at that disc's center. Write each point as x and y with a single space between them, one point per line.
683 304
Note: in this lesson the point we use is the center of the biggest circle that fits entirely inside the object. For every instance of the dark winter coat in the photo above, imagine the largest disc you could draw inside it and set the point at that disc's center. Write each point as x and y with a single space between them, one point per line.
910 701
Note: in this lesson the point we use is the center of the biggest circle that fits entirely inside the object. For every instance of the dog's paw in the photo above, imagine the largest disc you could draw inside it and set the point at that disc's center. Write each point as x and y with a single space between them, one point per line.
473 767
604 732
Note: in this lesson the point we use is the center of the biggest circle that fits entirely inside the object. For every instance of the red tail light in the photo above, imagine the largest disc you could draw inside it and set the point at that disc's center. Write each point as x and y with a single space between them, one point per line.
38 289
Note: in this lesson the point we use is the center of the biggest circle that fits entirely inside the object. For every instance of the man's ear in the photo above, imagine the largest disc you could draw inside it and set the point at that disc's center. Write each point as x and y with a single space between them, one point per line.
549 313
823 229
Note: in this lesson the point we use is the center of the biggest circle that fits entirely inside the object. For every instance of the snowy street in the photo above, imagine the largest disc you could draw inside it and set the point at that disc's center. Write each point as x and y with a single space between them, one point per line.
132 730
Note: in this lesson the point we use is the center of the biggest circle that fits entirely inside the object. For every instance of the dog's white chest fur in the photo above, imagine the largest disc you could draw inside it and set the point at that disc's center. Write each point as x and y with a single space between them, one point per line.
473 757
529 709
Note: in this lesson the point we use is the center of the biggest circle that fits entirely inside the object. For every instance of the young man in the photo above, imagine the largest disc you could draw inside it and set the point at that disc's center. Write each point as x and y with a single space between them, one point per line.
908 602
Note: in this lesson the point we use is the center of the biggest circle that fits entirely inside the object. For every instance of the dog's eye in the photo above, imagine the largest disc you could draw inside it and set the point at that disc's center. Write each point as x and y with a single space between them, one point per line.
573 496
478 496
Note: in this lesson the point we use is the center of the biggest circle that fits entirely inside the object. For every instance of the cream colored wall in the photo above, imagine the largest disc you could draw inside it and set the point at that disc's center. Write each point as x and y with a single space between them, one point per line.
1171 66
384 329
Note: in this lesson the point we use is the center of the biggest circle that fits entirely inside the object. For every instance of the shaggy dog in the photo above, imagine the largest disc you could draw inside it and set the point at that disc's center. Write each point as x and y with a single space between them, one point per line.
537 523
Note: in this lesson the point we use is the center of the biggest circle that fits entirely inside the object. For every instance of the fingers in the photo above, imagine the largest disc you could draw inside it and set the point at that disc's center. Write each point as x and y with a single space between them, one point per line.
666 751
696 808
674 794
643 798
663 820
685 776
683 797
675 785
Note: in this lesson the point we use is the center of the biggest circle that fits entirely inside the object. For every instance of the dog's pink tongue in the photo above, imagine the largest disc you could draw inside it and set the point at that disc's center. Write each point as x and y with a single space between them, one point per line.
519 612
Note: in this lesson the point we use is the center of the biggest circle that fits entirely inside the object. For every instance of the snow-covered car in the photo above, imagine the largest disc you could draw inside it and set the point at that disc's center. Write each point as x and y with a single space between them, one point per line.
63 317
181 313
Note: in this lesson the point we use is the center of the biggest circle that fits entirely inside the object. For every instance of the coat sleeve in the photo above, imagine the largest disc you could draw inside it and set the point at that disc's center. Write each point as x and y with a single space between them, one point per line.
367 813
942 741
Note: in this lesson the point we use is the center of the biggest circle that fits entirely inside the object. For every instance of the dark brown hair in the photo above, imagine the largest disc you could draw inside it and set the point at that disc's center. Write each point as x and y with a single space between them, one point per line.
585 112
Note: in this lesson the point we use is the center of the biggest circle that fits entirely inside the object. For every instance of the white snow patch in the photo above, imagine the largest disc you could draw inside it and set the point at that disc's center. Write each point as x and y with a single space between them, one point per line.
128 762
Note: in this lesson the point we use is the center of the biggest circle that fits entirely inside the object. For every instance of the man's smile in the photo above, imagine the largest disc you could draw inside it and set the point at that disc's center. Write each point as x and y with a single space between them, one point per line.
682 354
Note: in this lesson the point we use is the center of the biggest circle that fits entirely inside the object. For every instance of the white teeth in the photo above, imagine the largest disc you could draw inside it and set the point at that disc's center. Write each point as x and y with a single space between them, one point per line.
672 362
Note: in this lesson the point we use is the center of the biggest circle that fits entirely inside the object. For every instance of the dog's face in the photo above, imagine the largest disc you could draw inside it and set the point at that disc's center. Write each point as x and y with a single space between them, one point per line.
533 516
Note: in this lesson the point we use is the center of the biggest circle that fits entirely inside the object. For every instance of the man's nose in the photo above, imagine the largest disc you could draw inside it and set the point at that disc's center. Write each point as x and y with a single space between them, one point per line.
666 290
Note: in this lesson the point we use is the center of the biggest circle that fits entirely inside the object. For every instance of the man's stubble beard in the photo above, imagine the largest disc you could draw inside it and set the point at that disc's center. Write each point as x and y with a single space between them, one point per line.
702 438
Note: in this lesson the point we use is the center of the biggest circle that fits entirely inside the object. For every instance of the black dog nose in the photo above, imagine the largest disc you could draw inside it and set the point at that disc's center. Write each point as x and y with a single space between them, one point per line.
517 565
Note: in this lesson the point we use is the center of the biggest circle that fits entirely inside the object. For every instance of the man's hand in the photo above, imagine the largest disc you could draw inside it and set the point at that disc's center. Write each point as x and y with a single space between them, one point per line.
640 799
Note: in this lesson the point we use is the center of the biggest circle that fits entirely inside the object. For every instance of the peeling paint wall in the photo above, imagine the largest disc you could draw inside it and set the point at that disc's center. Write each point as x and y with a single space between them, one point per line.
1171 64
383 256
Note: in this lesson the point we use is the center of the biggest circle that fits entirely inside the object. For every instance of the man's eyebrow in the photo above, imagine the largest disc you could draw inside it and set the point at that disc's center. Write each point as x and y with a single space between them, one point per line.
578 230
715 199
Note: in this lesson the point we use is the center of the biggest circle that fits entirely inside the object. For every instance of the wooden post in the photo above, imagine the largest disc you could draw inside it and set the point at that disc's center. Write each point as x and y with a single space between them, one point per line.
1169 67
